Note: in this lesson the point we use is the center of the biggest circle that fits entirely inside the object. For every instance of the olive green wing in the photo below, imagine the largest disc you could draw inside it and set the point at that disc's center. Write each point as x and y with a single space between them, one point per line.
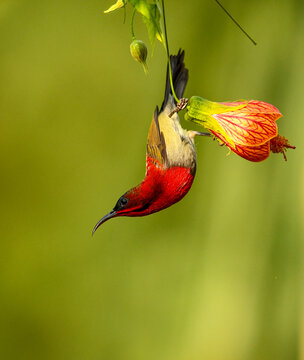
156 146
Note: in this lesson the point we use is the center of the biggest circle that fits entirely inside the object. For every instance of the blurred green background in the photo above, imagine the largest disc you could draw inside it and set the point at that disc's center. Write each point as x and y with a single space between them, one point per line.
218 275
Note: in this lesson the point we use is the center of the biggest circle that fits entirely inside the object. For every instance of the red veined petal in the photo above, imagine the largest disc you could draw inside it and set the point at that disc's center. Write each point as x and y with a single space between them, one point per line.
251 153
257 107
252 125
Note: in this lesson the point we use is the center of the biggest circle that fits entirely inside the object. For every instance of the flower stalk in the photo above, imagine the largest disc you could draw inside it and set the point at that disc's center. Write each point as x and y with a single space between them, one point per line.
166 44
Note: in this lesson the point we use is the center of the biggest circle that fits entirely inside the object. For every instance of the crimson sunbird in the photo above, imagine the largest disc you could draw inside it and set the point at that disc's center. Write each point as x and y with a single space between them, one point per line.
170 158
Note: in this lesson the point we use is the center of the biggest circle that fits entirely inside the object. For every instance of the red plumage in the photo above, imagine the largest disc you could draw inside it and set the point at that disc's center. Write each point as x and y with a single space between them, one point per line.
160 189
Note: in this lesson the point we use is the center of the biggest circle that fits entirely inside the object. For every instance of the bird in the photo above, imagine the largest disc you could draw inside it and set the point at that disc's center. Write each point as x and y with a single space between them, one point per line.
170 156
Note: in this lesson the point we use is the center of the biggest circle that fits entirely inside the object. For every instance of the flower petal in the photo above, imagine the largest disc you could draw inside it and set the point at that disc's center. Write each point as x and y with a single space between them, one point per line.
251 153
252 125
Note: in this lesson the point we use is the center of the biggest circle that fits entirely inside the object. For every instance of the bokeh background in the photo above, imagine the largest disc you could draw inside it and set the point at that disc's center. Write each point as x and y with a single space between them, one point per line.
218 275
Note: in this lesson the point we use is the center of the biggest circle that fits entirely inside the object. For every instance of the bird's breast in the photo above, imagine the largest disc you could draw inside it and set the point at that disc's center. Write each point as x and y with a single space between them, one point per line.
179 147
176 182
165 186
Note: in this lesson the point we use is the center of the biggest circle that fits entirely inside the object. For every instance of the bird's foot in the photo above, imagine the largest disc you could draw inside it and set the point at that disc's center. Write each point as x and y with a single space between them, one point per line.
192 133
180 106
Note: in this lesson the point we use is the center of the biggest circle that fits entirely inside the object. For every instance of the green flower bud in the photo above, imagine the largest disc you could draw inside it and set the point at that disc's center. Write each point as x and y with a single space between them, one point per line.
139 52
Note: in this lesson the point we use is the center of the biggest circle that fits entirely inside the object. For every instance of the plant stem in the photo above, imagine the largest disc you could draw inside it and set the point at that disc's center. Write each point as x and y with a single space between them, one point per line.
132 19
236 23
168 53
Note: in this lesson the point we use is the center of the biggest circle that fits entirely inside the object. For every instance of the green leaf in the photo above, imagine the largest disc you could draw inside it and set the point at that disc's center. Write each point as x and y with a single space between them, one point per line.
151 17
119 4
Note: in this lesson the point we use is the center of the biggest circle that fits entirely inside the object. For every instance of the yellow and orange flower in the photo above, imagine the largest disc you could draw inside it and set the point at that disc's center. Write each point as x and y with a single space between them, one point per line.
248 128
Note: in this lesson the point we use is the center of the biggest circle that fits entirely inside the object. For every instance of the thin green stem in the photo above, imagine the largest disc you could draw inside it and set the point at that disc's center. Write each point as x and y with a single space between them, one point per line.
132 29
168 53
125 14
236 23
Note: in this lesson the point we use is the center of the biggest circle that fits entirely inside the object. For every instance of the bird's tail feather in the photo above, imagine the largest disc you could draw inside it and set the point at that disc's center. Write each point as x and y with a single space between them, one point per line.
180 76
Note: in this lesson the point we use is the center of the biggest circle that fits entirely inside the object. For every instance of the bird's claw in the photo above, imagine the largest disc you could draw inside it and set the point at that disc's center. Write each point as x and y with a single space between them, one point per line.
180 106
202 133
192 134
183 102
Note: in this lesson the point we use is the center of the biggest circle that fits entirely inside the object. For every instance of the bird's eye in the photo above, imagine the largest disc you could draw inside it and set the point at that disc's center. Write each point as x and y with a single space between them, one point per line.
121 203
124 201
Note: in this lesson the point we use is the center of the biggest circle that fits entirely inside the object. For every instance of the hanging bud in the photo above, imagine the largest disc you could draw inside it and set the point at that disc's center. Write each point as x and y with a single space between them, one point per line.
139 52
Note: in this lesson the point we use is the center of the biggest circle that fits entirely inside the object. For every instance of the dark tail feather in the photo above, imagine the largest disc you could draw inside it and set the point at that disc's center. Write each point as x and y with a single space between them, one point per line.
179 77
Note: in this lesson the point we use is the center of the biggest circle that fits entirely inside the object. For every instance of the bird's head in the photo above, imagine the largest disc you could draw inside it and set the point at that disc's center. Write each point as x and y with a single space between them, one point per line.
134 202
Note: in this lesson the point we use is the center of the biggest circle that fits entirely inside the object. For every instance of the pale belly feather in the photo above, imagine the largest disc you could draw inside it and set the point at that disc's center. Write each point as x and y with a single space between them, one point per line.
179 146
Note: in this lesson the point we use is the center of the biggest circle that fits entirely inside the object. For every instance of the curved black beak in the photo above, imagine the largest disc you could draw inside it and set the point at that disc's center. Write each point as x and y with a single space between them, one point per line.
104 219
